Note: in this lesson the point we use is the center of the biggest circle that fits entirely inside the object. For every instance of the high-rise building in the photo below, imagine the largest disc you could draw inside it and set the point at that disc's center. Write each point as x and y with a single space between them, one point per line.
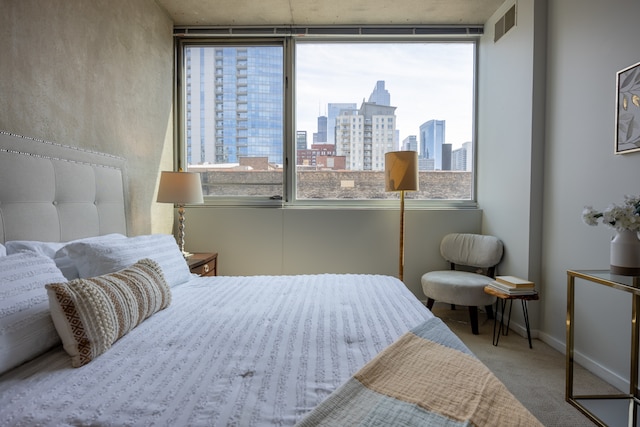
222 125
333 111
320 137
380 95
432 135
410 143
446 157
301 140
468 148
363 136
425 164
462 157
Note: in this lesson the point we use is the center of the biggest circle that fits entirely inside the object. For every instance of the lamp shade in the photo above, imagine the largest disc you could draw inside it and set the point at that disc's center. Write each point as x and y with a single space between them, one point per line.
401 171
180 188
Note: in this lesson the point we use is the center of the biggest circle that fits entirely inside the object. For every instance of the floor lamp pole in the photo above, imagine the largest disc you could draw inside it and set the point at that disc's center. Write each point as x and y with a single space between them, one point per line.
401 251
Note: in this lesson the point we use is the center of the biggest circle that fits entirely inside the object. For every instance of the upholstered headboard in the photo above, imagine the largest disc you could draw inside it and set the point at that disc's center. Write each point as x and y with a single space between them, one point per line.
53 192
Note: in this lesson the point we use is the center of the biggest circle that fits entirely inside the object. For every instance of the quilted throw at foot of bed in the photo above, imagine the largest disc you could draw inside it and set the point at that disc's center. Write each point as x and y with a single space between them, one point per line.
427 377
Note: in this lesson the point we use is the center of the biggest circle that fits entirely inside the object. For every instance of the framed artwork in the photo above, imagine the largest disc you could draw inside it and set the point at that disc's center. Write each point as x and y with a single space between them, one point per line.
628 110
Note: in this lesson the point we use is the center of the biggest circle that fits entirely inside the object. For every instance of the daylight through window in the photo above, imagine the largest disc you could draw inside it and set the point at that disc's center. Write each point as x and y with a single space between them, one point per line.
351 102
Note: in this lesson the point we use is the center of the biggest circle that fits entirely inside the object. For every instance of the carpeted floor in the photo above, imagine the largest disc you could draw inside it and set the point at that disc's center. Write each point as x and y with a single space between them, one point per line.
535 376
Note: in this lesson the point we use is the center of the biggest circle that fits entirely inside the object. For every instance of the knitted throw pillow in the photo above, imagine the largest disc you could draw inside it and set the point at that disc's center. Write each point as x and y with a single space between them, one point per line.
91 314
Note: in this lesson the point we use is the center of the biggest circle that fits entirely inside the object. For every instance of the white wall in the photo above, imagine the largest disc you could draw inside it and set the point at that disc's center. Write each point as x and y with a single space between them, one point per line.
254 241
511 141
588 42
537 171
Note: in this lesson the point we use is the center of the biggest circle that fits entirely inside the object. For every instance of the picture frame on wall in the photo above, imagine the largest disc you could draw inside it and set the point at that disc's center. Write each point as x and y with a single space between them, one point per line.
627 138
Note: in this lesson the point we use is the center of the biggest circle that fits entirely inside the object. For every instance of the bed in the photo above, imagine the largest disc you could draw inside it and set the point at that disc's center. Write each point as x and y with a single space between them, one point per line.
101 328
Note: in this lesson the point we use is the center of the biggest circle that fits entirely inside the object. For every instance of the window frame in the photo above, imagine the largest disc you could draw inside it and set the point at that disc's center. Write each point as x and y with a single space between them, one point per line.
288 38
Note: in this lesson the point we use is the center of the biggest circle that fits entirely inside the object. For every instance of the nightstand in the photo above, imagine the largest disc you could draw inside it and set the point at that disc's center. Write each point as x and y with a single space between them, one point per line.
204 264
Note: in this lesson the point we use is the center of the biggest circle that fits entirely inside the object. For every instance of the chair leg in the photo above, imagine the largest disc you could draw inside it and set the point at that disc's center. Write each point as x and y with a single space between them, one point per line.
430 302
473 314
453 306
489 309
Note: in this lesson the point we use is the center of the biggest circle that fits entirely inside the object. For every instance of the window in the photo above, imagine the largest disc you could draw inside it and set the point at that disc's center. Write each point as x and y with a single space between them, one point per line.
236 119
292 119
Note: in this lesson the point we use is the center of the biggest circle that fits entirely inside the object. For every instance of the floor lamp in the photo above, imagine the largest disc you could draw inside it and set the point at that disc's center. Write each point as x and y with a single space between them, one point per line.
180 188
401 174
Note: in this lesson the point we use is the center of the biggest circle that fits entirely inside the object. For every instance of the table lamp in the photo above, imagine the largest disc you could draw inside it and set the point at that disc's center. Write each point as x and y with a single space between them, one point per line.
401 174
180 188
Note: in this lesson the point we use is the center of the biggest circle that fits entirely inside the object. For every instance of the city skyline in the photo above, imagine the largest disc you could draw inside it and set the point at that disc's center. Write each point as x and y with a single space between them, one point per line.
235 123
426 81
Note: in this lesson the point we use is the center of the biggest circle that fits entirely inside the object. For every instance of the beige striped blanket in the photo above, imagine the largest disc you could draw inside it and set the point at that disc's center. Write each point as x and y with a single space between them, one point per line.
426 378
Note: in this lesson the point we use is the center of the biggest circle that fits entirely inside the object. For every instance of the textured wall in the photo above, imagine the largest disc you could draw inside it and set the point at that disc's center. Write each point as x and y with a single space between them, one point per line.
94 74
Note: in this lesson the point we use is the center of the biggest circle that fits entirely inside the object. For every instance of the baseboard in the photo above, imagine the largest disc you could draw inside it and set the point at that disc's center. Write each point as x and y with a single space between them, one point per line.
589 364
552 342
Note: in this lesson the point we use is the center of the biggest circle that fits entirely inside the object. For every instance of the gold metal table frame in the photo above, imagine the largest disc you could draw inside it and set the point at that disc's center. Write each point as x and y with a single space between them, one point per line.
624 283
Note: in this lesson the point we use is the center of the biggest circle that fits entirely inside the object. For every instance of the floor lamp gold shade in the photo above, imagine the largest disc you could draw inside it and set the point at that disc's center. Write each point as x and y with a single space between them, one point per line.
180 188
401 174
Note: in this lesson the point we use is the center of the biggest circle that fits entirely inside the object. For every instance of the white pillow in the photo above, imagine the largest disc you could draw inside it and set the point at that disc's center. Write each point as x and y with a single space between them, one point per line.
26 328
47 249
98 258
50 249
3 250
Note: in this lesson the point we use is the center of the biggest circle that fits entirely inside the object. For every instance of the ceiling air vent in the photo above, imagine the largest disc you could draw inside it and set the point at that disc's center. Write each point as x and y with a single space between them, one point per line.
505 23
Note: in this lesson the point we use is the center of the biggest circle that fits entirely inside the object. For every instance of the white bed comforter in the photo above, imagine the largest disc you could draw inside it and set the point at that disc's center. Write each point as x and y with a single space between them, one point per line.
241 351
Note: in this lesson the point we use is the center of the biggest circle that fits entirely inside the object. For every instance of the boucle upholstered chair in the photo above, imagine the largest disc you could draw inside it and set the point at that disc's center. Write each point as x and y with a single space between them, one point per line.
473 259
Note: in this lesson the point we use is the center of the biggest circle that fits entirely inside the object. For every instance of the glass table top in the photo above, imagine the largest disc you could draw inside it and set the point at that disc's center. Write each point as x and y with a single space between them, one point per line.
605 277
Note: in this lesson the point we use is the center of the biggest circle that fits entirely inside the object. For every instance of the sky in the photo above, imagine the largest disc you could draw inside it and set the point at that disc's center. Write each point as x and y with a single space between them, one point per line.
426 81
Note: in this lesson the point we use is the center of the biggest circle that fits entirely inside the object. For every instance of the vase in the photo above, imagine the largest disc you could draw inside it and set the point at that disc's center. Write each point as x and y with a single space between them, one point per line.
625 253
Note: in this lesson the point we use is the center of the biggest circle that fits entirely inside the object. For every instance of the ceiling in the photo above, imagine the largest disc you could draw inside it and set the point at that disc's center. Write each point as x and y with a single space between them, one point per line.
329 12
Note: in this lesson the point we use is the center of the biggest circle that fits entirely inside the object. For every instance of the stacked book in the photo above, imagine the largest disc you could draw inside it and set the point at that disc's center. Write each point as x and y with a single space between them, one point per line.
512 285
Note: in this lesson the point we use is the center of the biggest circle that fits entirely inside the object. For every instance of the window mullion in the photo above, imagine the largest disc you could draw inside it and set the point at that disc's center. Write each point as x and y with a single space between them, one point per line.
289 184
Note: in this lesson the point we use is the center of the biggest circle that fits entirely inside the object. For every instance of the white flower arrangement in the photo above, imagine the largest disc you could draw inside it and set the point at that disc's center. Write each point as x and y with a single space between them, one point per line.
625 217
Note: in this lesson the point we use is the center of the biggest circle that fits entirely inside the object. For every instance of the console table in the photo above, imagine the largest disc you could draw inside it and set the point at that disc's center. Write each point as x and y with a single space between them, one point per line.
629 403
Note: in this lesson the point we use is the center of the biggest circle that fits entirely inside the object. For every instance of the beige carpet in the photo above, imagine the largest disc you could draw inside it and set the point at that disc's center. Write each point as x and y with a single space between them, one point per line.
535 376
